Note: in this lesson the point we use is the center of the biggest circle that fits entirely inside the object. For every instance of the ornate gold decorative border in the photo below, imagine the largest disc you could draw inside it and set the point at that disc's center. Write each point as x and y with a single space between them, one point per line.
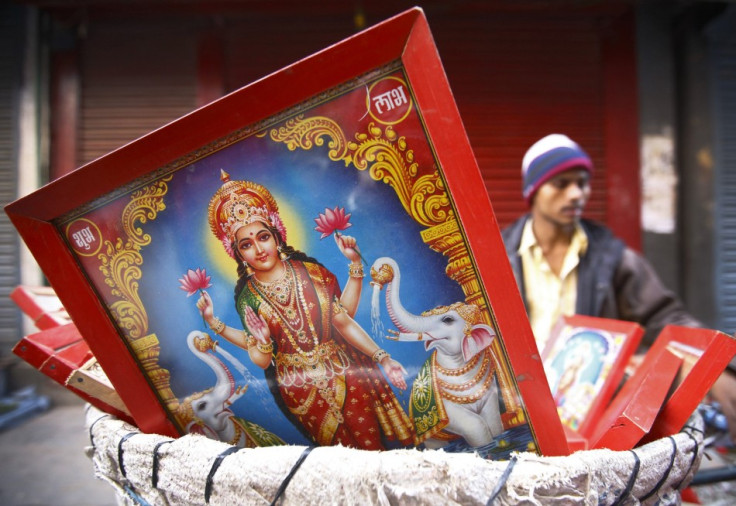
120 265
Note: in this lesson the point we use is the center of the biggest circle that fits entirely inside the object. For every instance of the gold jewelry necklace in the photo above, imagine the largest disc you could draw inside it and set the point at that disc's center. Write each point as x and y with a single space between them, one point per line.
279 289
279 292
462 370
472 381
467 399
294 312
483 388
238 432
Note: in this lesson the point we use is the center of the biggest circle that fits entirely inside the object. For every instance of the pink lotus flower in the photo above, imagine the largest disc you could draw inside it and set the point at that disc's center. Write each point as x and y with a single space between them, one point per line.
332 220
194 281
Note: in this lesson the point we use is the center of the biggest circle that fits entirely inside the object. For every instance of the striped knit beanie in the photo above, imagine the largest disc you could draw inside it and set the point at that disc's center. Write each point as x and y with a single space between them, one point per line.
548 157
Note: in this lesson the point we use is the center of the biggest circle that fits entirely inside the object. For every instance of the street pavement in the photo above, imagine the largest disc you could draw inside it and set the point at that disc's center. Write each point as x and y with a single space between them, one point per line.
43 461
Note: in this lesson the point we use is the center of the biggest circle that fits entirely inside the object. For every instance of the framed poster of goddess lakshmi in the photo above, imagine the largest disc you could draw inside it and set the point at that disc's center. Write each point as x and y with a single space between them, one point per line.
311 259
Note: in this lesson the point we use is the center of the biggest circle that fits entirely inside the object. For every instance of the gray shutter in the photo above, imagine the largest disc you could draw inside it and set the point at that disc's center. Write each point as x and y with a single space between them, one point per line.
722 49
136 76
11 39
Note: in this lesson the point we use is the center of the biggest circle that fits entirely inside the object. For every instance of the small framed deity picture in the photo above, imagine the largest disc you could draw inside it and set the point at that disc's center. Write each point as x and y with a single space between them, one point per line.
585 360
312 259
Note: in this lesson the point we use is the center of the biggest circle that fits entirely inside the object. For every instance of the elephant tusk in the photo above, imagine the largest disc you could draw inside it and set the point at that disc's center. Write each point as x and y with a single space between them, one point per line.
405 336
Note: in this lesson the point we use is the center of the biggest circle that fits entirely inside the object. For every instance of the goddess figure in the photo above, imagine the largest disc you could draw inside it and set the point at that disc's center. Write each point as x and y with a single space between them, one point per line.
576 360
321 366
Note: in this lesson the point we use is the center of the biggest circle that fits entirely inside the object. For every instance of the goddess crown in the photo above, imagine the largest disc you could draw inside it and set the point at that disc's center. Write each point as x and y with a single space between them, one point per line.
239 203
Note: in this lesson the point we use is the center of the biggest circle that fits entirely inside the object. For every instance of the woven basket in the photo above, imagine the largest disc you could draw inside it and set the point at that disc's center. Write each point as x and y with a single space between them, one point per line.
193 470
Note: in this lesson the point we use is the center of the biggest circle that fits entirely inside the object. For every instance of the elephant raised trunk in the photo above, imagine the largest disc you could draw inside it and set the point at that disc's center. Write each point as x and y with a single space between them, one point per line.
208 412
201 344
457 330
385 272
462 364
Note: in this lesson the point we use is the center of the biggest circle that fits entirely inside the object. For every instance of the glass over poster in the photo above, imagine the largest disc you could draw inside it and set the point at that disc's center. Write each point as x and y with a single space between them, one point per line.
310 260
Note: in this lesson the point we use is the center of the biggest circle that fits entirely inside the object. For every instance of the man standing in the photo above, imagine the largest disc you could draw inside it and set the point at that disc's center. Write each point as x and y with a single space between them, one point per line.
565 264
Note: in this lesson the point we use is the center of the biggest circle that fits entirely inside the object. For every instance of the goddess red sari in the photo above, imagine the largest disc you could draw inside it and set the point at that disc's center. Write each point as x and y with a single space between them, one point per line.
336 393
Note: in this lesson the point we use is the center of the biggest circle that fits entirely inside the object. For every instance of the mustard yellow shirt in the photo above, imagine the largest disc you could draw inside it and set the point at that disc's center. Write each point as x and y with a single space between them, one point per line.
549 296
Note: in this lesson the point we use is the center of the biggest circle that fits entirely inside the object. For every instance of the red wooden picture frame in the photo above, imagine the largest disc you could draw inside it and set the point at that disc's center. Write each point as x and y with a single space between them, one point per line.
600 348
632 412
41 305
705 354
442 190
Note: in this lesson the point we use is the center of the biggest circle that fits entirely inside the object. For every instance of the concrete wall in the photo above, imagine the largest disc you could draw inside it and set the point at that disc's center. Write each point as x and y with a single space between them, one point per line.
657 126
676 145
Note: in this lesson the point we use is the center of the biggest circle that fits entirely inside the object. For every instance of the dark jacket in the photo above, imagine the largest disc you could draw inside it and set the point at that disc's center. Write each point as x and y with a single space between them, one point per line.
613 282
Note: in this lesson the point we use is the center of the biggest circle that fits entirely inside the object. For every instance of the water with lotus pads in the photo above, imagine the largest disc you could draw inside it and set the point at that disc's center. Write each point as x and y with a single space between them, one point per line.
516 439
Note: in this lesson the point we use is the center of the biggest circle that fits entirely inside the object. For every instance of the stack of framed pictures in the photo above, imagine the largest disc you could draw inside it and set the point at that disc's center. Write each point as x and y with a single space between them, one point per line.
60 352
705 355
585 359
41 305
608 397
667 386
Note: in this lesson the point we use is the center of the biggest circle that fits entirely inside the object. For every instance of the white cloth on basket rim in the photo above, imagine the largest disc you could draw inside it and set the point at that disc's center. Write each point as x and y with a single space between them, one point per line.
340 475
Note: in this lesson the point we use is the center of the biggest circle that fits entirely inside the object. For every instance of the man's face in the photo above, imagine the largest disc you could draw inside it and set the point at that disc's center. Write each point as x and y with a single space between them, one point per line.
561 199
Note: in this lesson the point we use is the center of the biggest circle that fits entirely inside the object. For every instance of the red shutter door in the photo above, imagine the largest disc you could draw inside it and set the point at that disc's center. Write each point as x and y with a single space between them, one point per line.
259 44
518 77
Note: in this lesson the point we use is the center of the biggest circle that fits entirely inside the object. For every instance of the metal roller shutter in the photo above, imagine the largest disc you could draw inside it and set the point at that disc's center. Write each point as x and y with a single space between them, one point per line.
11 37
259 44
723 78
135 77
516 77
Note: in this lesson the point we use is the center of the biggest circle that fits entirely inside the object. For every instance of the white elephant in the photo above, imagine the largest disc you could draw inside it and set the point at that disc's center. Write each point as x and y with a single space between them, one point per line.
456 391
208 413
